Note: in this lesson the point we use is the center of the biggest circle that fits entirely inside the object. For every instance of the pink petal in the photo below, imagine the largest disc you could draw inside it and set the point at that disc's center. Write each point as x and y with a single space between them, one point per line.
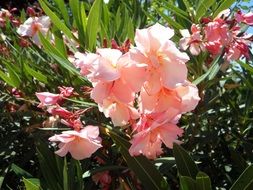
153 84
100 91
82 148
158 35
142 40
122 92
189 96
90 132
169 134
106 71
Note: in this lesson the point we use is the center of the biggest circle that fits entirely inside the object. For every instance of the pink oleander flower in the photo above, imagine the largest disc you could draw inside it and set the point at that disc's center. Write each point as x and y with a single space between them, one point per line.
217 36
32 26
153 130
165 63
80 144
183 98
103 178
194 40
47 98
245 18
116 79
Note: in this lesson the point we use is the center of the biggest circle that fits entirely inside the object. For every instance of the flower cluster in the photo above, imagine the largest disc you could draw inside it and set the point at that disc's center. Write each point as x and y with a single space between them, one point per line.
146 88
221 32
80 142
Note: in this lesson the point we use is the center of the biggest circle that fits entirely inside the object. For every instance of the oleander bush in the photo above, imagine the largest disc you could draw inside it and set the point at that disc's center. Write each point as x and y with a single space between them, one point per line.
125 94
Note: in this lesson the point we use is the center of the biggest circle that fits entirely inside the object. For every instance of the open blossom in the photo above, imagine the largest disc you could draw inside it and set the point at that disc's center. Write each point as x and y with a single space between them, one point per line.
32 26
165 63
116 79
153 130
80 144
194 40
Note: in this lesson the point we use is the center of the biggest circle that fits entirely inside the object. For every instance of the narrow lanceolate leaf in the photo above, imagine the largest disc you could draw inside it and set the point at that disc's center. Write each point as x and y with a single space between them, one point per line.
202 8
245 181
56 20
7 79
61 5
65 175
36 74
246 66
177 11
211 72
187 183
224 5
20 172
185 164
170 21
150 177
31 184
93 23
203 181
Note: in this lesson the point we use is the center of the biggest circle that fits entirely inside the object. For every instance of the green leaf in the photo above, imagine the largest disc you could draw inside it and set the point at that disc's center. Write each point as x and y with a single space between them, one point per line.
15 78
31 184
1 181
48 167
203 181
245 180
177 11
211 72
224 5
185 164
65 175
187 183
58 41
93 24
239 163
62 7
203 7
20 172
79 16
188 6
36 74
150 177
170 21
246 66
7 79
56 20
